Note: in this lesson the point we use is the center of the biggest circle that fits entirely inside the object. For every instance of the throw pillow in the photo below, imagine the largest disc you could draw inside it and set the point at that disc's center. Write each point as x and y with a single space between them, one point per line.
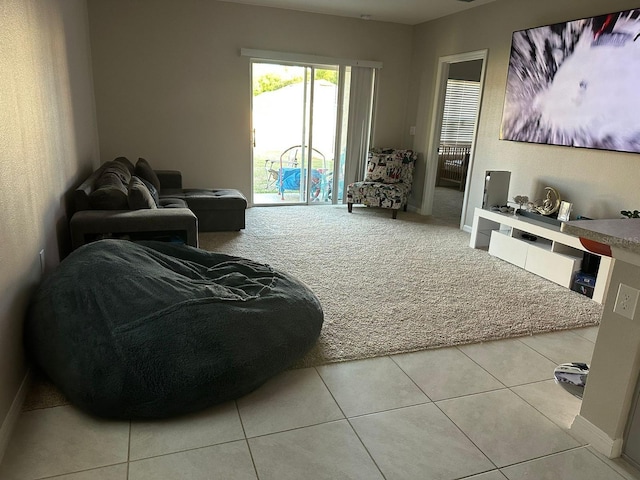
110 188
110 169
376 170
144 170
126 162
383 169
139 196
152 191
394 169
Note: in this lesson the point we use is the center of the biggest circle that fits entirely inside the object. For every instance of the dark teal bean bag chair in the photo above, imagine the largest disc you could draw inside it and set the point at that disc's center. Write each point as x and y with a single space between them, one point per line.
153 329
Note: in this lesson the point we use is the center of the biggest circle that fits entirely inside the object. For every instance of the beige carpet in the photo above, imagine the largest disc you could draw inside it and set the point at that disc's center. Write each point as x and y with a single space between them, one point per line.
390 286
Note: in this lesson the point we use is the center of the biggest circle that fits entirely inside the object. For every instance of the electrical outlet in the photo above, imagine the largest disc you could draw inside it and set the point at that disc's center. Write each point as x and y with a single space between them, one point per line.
42 261
626 301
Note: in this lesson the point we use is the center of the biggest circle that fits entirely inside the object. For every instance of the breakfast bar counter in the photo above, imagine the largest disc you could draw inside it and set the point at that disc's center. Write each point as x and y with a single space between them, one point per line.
620 235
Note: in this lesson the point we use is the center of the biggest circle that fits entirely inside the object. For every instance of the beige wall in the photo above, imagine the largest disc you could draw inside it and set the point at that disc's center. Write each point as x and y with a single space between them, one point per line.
47 142
172 87
599 183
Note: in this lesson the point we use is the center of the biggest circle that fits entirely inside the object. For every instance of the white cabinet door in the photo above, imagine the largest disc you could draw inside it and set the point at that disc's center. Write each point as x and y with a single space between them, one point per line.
508 249
553 266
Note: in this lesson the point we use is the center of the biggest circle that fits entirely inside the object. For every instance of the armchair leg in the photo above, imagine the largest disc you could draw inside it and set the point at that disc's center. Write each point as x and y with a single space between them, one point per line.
394 214
350 207
405 207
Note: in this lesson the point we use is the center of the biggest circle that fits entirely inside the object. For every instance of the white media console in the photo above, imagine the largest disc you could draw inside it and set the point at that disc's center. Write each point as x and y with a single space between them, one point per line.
554 255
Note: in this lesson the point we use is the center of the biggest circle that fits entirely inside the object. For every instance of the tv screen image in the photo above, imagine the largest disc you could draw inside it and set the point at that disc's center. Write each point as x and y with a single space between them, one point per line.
576 84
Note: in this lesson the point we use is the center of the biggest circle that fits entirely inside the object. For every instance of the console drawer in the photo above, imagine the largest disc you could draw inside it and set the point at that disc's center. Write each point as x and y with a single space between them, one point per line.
508 248
553 266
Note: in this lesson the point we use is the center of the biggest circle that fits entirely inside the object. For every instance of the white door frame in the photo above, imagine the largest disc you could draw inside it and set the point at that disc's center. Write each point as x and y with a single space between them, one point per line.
430 149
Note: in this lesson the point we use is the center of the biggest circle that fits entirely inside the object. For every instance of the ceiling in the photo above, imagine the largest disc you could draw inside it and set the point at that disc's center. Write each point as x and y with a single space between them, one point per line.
409 12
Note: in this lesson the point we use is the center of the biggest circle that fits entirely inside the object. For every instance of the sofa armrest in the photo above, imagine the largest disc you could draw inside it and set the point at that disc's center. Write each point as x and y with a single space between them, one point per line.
88 225
169 180
82 191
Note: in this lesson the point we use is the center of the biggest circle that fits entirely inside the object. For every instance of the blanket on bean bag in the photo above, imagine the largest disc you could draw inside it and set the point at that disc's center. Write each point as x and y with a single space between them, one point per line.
153 329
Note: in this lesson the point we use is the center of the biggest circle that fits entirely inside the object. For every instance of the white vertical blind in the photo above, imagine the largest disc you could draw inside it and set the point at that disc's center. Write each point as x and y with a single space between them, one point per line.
460 107
359 129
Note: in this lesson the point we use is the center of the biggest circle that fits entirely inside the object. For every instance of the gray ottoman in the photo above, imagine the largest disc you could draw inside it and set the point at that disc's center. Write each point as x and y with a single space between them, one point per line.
218 210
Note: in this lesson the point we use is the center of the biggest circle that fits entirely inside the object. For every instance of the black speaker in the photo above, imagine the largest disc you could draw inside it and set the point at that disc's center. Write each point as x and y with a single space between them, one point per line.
590 263
496 189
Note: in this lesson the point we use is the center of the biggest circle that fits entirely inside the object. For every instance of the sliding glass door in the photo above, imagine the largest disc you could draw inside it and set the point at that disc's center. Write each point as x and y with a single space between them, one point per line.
297 121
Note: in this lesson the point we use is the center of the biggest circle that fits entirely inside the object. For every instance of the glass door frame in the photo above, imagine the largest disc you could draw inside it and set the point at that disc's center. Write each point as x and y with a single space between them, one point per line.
307 129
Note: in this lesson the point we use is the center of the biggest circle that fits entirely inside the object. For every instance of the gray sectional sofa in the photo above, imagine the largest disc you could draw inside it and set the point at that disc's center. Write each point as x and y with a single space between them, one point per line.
123 200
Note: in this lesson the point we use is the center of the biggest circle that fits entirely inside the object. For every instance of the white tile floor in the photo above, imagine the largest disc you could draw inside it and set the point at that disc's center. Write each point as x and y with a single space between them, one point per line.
479 412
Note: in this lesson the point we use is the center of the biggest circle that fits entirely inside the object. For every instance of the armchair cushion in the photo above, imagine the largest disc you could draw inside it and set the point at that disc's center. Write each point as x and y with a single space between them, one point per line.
377 194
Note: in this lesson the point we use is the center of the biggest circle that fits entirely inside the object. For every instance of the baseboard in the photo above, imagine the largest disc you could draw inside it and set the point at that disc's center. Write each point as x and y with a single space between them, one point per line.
588 432
466 228
13 415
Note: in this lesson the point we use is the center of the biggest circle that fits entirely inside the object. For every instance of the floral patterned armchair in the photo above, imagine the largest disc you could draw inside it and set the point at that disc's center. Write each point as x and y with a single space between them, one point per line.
387 183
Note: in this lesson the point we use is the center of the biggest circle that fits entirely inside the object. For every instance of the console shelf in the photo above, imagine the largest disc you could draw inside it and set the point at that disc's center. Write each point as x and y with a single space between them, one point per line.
538 247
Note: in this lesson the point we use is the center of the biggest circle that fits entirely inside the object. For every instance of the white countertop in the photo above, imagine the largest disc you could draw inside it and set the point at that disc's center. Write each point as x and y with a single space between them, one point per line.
623 234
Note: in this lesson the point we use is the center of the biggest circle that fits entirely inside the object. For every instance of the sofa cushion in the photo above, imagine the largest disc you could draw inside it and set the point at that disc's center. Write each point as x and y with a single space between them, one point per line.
116 168
110 188
144 171
152 190
214 199
126 162
109 197
173 203
139 196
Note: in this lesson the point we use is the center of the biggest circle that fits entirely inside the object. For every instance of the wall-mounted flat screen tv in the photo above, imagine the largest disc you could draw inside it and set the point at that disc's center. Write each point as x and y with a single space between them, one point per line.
576 84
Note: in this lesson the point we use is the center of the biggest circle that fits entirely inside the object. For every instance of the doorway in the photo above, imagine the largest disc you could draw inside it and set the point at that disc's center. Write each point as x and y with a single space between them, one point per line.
297 119
451 140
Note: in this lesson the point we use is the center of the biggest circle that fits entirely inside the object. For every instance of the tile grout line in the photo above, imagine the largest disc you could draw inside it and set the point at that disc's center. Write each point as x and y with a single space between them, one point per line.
619 469
410 378
438 407
365 448
554 454
350 424
129 450
465 434
505 387
58 475
567 431
246 439
474 361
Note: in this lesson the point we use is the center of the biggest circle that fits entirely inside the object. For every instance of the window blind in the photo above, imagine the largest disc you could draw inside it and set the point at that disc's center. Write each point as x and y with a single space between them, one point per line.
460 109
